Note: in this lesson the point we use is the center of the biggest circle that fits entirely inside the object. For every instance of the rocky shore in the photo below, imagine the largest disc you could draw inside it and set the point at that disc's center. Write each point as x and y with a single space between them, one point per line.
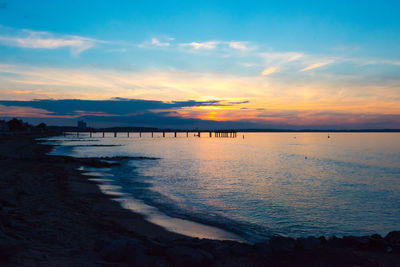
52 215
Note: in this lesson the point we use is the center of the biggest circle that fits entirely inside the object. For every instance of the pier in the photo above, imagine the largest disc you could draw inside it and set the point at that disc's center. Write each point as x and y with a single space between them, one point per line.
165 133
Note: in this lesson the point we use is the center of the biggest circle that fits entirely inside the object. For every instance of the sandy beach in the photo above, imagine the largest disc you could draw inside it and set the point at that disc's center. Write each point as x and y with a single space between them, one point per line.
52 215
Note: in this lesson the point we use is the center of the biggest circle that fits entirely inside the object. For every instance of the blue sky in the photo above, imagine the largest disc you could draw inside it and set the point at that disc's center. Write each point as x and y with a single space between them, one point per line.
291 63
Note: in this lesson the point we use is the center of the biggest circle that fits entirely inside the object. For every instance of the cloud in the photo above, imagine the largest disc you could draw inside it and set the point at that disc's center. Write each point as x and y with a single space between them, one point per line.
210 45
238 45
20 111
106 83
160 41
315 66
281 61
348 94
117 112
269 71
189 114
45 40
282 56
156 42
22 91
205 45
116 106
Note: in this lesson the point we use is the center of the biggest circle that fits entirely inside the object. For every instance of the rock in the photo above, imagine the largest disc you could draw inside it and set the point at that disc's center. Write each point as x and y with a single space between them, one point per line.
208 244
221 251
116 251
262 247
376 236
323 240
155 247
241 249
3 235
187 256
140 258
37 255
309 243
74 252
5 216
393 238
100 244
376 242
361 242
208 257
8 248
187 242
333 241
282 244
8 199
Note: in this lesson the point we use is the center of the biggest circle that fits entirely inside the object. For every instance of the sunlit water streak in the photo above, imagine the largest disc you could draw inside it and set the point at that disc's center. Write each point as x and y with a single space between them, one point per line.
295 184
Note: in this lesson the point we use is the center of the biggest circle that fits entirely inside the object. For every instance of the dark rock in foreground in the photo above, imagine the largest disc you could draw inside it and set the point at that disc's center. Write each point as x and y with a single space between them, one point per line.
278 251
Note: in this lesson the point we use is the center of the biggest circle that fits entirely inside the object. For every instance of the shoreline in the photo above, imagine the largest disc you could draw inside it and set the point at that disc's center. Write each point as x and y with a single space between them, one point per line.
154 215
53 214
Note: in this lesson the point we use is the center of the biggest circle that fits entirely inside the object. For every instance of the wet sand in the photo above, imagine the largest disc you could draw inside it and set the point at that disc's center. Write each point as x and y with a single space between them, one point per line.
52 215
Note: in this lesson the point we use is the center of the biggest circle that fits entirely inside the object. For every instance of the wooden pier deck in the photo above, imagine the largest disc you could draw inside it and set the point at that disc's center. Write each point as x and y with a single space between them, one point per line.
196 133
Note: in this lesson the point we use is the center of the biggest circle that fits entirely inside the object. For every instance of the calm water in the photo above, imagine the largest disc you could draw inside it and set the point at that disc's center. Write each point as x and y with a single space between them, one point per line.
295 184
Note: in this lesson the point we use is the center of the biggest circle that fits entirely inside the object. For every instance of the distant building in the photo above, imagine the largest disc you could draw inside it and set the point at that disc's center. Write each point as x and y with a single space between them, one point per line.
3 126
82 125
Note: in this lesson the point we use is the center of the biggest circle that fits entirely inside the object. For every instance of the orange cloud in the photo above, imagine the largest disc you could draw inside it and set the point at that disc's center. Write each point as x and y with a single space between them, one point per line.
22 91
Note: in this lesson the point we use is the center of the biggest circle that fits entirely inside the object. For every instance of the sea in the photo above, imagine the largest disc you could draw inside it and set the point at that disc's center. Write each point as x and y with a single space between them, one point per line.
251 187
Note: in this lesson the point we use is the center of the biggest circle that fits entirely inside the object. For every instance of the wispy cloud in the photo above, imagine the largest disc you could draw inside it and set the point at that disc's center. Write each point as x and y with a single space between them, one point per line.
315 66
269 71
22 91
157 42
45 40
209 45
203 45
282 56
243 46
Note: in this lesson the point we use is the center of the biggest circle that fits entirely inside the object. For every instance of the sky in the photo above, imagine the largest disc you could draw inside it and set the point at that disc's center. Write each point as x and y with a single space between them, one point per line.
207 64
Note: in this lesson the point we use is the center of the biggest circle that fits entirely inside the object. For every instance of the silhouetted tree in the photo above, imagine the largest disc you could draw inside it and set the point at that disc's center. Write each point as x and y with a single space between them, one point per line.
42 125
16 125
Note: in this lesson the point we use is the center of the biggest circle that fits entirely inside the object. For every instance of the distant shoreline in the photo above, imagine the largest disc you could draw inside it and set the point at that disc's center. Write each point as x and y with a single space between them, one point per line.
62 129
